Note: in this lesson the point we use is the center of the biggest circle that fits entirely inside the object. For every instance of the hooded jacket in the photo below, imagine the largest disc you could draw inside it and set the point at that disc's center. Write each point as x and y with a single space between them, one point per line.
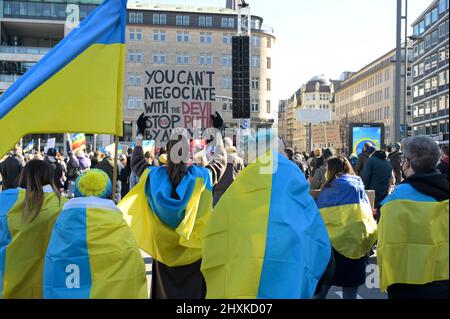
377 175
412 250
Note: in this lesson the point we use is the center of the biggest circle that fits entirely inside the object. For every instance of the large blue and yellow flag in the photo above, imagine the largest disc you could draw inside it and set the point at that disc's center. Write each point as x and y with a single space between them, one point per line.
167 228
413 238
265 238
93 254
346 210
23 245
76 87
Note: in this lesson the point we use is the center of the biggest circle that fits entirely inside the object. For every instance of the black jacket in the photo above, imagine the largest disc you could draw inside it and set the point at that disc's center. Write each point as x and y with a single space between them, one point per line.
362 159
11 169
57 170
377 175
443 168
395 159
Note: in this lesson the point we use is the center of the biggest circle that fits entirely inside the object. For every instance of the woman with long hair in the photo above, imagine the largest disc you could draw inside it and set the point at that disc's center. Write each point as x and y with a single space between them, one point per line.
167 211
347 213
27 216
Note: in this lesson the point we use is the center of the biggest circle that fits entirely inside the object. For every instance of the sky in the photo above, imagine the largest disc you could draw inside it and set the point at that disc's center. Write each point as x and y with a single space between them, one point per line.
326 37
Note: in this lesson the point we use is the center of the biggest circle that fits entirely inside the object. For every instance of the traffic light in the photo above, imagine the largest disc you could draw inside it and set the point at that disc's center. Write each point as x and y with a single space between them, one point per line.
241 77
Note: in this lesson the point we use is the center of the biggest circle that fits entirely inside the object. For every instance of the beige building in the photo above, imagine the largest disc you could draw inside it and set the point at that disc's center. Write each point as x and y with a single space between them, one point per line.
193 40
316 94
368 96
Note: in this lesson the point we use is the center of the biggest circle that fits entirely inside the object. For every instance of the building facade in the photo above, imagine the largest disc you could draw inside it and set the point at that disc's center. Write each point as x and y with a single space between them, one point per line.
431 72
28 31
158 37
316 94
368 96
195 38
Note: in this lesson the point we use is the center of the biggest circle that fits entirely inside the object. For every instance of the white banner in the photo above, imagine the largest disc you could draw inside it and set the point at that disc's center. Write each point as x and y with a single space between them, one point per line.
51 143
313 116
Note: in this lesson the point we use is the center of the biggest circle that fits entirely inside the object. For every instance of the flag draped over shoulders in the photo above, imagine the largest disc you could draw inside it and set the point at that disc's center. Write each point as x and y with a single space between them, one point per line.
266 238
413 238
23 245
92 254
346 210
169 228
76 87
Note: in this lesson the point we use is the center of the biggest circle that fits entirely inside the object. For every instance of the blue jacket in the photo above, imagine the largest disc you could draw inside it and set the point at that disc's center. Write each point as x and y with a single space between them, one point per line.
377 175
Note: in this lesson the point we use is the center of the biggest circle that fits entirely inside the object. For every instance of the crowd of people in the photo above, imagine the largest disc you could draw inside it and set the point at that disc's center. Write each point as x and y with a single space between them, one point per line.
218 229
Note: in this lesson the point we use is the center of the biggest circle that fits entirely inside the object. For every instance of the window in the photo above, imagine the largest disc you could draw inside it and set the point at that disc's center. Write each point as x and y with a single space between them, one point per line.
269 63
204 21
255 105
131 56
139 56
182 36
255 61
386 93
159 58
256 41
421 27
139 34
427 41
269 84
434 83
226 83
227 60
268 107
227 23
159 36
443 5
416 29
443 29
269 42
226 38
442 78
427 19
159 18
182 20
434 37
182 58
434 61
206 37
421 68
134 79
136 17
134 102
434 15
255 83
132 34
205 59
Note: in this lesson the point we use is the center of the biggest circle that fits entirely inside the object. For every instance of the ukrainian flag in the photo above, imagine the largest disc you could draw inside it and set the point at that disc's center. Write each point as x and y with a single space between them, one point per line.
266 238
166 228
23 245
93 254
78 140
346 210
77 86
29 147
412 238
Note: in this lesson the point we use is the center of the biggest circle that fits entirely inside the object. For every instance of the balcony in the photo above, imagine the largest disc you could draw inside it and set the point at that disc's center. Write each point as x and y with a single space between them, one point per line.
22 54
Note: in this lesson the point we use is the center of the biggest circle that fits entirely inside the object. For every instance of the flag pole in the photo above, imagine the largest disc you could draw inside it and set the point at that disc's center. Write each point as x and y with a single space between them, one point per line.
116 158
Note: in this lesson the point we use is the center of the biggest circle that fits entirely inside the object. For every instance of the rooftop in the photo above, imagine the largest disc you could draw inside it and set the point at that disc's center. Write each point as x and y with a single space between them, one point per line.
179 8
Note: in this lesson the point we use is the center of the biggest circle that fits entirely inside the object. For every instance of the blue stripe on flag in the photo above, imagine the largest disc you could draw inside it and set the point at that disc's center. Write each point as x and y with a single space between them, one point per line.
67 258
7 200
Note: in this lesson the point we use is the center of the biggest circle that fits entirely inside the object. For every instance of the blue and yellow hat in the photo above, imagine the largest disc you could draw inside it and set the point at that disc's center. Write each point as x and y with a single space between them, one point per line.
93 182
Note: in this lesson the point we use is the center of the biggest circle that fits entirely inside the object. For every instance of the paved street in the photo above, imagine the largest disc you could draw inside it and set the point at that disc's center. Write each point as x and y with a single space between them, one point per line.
368 291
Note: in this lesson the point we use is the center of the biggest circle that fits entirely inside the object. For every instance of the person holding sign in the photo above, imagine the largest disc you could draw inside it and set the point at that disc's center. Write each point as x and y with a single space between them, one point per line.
167 211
